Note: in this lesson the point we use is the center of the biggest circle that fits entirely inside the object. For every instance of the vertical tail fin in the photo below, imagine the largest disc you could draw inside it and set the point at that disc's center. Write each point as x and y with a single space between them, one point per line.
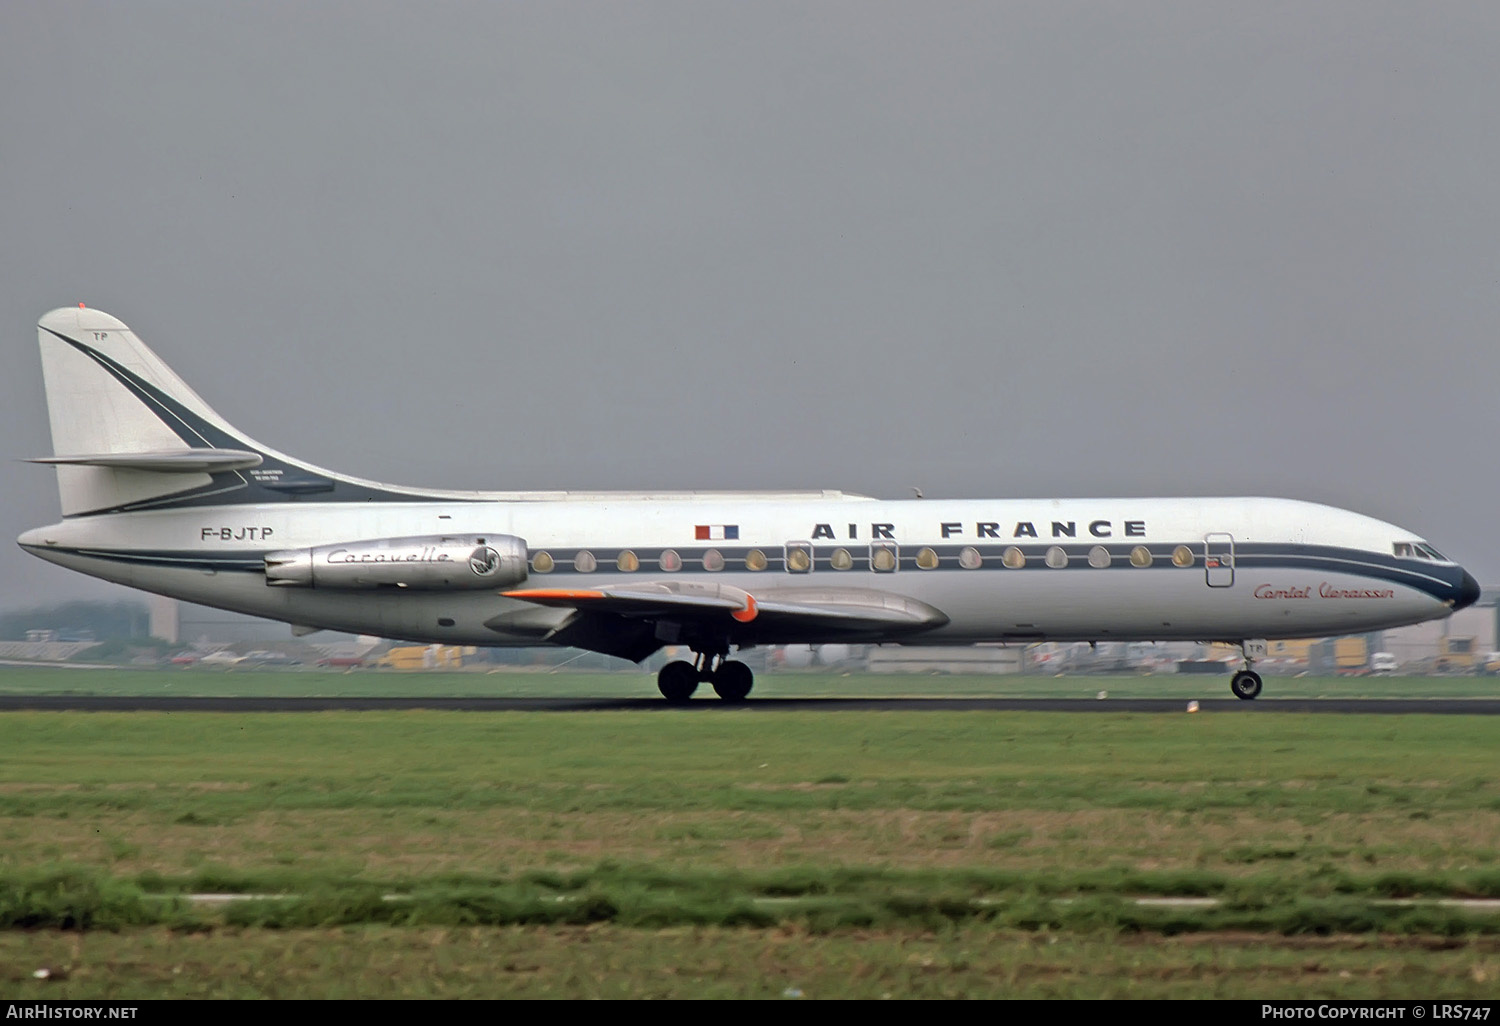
95 407
129 434
121 419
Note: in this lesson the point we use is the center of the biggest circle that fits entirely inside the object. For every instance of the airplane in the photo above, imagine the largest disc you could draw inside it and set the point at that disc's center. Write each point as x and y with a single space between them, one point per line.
160 493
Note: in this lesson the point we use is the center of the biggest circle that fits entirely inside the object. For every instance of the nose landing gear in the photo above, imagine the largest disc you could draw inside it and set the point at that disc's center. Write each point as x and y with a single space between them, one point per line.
1246 683
731 679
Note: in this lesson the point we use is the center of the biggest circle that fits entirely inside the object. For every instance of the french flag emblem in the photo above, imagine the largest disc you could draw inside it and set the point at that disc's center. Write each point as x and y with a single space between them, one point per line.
717 532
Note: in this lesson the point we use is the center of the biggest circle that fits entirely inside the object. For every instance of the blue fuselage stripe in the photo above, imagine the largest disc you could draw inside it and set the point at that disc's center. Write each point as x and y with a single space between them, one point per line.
1439 580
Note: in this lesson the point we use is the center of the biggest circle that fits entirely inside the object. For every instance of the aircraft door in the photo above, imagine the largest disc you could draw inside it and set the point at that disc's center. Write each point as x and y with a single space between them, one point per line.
1218 551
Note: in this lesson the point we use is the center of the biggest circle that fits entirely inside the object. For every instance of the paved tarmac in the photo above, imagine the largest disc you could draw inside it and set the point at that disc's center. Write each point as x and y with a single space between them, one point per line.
1262 706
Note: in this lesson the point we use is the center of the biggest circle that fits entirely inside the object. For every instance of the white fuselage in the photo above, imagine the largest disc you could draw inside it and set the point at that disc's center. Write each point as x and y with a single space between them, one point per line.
1253 567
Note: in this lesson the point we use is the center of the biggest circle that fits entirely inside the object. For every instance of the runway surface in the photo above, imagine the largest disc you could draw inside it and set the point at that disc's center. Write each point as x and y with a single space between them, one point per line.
1264 706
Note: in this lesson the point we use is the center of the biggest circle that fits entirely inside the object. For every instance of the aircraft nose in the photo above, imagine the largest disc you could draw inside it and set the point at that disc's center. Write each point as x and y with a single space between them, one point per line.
1468 592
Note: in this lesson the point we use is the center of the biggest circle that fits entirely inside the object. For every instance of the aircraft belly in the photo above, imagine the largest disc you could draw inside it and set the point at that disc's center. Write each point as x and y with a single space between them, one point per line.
104 569
410 616
1160 604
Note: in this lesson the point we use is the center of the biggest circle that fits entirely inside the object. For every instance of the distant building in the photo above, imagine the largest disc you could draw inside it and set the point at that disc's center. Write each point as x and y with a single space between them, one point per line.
944 659
1421 645
166 619
205 625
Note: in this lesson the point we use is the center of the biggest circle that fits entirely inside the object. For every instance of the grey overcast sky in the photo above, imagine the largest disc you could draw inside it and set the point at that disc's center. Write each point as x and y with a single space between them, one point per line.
987 249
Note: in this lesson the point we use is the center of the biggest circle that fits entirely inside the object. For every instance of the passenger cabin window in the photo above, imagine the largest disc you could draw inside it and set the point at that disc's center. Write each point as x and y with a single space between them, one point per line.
584 562
1140 556
883 558
841 560
542 563
670 561
1013 558
1098 557
799 558
755 560
1057 558
713 559
969 558
927 559
627 562
1182 556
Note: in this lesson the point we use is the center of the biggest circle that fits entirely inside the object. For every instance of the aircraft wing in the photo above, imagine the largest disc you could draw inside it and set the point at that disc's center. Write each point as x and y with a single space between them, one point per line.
641 617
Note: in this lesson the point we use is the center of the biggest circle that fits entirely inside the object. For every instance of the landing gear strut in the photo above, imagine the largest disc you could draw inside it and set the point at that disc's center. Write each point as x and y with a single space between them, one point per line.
1246 683
731 679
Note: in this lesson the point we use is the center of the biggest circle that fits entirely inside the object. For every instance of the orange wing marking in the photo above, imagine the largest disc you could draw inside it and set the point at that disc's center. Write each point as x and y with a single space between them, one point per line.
562 594
749 612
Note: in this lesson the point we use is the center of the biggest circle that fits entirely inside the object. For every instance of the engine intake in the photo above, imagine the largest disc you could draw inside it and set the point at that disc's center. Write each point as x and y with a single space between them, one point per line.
431 563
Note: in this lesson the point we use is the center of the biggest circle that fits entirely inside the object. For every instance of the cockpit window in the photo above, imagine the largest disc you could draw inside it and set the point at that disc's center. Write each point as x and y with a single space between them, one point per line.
1419 550
1404 549
1430 552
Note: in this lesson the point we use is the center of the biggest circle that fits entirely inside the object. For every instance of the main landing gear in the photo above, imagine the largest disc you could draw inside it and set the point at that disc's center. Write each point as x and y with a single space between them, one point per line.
732 680
1245 683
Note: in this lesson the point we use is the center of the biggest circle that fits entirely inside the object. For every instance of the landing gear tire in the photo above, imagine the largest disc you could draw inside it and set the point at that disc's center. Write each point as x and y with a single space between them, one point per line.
733 681
1245 684
677 681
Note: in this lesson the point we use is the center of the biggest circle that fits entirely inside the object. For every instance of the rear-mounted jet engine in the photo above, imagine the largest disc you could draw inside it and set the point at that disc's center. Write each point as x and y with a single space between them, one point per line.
432 563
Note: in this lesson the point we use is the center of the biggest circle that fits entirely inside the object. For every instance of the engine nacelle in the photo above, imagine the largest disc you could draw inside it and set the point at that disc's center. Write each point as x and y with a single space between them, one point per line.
431 563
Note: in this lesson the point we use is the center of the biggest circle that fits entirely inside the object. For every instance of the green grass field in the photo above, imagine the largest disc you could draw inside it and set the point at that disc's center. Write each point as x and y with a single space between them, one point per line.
826 854
605 961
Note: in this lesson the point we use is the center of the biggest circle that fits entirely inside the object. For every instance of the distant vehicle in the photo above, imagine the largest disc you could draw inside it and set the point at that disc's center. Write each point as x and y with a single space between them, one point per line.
344 661
269 658
1490 666
423 657
800 657
1382 663
184 660
223 658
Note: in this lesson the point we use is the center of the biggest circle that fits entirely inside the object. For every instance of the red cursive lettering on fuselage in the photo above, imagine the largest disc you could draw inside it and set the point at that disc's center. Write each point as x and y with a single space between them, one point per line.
1328 591
1325 590
1265 591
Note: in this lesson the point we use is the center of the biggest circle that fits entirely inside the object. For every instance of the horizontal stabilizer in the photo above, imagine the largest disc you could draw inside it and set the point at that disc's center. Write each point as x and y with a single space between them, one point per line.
163 461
